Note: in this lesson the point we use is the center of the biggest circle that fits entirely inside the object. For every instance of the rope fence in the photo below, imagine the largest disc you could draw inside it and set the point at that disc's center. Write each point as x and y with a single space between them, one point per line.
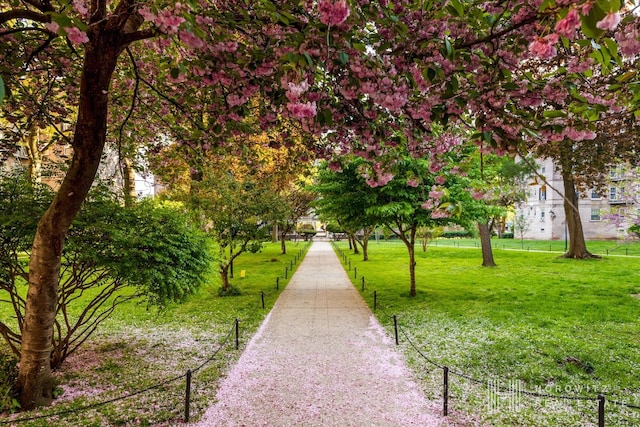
234 331
447 372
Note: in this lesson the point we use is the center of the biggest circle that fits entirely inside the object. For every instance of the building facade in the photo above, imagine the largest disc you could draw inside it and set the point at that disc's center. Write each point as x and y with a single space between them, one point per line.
542 215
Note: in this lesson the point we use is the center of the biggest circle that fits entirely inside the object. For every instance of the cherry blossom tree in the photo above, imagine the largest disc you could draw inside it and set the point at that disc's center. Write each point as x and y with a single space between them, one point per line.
340 68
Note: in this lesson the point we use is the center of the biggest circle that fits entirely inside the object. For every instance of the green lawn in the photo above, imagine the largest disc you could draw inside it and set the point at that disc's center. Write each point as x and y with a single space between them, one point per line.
139 348
538 322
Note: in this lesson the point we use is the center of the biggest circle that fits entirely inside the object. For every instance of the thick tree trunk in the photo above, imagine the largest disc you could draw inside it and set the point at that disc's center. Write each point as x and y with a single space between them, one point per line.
485 243
577 243
353 244
35 383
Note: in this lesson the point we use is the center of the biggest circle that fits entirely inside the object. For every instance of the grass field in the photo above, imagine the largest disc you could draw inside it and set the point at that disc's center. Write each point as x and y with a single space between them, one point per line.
536 322
138 349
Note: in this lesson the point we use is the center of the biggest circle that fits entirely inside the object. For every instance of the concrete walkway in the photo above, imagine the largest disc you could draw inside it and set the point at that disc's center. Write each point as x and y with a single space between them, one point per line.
320 359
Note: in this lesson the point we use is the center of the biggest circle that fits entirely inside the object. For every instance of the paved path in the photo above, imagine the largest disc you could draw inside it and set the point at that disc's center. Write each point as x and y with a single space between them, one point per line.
320 359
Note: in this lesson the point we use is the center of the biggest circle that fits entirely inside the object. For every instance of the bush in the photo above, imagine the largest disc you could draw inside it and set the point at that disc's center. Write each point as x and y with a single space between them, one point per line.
456 234
507 236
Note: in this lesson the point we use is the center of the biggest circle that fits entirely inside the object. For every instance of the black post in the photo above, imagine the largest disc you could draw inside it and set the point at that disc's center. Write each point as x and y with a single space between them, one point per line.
395 327
291 265
262 296
362 283
355 272
445 392
375 300
237 334
187 397
601 401
286 272
277 283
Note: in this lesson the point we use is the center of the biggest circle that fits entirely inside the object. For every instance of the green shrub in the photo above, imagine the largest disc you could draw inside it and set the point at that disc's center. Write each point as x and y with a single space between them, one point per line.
507 235
456 234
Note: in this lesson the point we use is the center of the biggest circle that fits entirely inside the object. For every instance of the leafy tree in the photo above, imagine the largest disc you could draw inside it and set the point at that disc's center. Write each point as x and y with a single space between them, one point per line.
237 213
345 197
112 255
297 202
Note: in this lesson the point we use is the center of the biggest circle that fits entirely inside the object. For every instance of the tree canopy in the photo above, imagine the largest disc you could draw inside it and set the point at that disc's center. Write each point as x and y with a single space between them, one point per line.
352 75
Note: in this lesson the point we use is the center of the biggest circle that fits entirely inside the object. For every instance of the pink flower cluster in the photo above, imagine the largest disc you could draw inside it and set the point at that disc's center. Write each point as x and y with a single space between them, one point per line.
609 22
380 177
543 47
302 110
166 21
76 36
568 25
333 12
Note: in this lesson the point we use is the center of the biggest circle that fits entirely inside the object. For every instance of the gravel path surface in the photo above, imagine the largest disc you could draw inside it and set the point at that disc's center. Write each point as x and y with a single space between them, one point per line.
320 359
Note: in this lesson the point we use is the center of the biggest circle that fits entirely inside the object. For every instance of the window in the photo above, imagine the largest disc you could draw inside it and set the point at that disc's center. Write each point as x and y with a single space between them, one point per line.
613 193
595 214
595 195
542 216
543 170
543 192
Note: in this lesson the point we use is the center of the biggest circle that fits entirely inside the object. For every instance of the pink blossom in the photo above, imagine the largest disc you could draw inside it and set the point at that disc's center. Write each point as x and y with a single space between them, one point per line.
52 26
146 14
568 25
543 47
295 90
477 194
439 213
586 7
435 194
413 182
428 205
191 40
333 13
609 22
302 110
81 7
440 180
76 36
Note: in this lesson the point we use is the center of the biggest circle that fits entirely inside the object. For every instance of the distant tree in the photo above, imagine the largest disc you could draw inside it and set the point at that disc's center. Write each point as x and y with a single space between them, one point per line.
427 235
344 197
296 203
521 224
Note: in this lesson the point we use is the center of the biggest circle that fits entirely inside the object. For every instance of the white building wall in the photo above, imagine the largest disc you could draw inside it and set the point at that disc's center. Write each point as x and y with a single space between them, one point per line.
544 209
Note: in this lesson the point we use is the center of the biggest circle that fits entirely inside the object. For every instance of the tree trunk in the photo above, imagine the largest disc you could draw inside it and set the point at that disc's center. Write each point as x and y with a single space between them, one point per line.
35 383
224 277
485 243
577 244
354 244
129 182
411 247
34 171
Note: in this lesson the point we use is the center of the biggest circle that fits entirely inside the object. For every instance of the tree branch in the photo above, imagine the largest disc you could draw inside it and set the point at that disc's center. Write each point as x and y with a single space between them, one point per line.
24 14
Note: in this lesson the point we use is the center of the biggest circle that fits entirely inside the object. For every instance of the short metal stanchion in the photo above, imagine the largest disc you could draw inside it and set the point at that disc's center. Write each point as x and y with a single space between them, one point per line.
445 392
237 334
362 283
262 296
355 272
286 272
187 397
277 283
395 328
375 300
601 402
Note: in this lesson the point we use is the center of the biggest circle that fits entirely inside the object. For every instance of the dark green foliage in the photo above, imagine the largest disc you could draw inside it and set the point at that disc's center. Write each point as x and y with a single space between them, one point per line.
112 254
456 234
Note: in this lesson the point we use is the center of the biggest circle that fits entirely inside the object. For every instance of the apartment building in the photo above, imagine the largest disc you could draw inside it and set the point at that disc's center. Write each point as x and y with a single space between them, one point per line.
543 216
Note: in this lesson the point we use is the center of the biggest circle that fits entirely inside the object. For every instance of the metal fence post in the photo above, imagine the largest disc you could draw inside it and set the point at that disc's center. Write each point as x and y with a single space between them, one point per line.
187 397
237 334
262 296
362 283
375 300
445 392
395 327
601 402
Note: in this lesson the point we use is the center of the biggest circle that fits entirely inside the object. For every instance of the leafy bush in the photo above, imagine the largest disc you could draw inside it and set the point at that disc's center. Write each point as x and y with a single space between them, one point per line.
112 254
507 235
456 234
